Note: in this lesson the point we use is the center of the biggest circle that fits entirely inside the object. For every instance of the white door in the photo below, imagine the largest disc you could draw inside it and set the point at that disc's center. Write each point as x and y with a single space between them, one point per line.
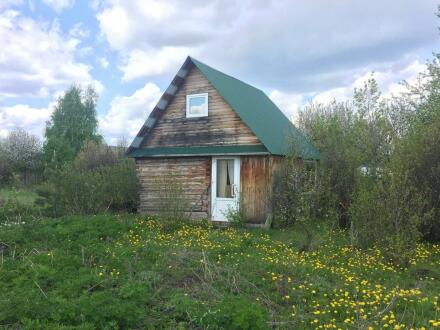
225 186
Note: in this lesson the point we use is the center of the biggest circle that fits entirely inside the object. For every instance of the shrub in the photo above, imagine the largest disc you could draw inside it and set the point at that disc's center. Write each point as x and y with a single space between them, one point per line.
418 155
97 181
386 213
20 157
13 211
294 193
237 216
95 155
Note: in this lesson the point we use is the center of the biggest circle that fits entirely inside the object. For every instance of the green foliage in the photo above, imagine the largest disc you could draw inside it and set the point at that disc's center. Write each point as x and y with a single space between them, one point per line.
96 181
381 164
72 124
5 169
57 152
15 211
236 313
350 135
236 216
386 213
294 192
417 152
123 272
24 196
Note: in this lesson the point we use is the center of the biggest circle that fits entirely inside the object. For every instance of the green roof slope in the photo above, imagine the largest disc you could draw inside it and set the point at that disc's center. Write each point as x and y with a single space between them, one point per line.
260 114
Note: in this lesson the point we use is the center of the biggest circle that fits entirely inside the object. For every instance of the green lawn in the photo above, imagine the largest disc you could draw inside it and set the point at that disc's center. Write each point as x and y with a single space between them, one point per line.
24 196
111 272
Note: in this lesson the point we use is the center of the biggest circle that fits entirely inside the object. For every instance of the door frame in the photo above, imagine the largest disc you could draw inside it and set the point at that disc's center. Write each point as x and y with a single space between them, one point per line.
236 199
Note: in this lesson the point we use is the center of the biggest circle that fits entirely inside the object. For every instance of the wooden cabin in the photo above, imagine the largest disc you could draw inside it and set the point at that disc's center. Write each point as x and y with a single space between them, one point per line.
219 139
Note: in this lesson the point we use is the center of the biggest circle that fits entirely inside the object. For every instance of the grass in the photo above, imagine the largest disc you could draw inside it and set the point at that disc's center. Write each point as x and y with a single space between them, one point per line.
24 196
110 272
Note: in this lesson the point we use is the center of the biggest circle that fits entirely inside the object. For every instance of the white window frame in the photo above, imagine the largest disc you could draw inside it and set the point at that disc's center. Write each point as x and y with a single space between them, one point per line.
189 97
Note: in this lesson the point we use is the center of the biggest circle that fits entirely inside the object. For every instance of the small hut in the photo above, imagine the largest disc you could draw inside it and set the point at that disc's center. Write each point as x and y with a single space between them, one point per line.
220 140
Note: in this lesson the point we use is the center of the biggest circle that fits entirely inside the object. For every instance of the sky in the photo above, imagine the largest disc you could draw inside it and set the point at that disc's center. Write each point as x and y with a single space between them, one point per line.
296 51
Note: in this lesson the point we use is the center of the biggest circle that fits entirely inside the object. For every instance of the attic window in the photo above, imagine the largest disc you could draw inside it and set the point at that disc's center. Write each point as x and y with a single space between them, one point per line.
197 105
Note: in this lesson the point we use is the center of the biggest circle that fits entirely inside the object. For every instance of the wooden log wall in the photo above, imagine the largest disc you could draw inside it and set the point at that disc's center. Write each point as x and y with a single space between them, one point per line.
190 174
193 176
222 126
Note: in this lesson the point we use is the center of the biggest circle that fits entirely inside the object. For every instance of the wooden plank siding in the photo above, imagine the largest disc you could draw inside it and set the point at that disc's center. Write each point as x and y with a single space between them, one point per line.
192 174
256 179
222 126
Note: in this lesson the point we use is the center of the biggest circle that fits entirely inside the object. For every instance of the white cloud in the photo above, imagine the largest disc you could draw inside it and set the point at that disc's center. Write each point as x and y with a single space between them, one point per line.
289 103
155 62
31 5
136 20
9 3
23 116
38 59
302 46
104 62
154 37
78 31
59 5
116 34
128 113
389 80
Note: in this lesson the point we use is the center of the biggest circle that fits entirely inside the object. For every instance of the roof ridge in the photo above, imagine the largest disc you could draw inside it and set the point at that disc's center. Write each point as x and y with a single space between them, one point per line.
225 74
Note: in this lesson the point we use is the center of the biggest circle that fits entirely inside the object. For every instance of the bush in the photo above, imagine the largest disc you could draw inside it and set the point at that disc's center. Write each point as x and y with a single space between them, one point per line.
20 158
386 213
95 182
294 193
418 155
237 216
14 212
95 155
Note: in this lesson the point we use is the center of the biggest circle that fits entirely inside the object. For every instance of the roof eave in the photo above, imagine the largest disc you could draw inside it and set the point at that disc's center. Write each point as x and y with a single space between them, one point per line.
202 155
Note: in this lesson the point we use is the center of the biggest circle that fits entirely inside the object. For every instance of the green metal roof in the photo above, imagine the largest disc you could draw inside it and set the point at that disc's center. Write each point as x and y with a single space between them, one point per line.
275 131
259 113
198 151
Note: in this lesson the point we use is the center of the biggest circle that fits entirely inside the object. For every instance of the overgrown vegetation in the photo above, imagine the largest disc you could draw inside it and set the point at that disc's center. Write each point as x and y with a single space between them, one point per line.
74 172
17 208
125 272
294 192
380 167
236 216
98 180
